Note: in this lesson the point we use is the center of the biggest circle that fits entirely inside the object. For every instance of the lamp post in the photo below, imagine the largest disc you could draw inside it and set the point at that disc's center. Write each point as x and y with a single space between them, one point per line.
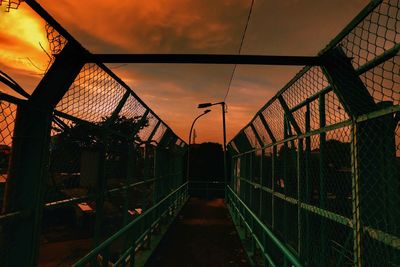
205 105
190 139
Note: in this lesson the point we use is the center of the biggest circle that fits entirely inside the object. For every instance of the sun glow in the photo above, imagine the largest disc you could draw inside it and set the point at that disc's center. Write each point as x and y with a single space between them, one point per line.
22 34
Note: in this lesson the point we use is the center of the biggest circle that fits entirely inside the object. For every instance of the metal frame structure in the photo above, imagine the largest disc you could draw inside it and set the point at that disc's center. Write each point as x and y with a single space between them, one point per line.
314 170
314 174
59 107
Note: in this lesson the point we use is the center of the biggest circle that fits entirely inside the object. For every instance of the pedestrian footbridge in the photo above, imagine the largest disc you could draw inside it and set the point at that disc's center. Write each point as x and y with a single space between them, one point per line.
92 176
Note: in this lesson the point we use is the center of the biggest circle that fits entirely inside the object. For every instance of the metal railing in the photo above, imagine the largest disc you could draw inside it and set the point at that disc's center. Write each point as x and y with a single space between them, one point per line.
244 217
80 157
319 165
138 233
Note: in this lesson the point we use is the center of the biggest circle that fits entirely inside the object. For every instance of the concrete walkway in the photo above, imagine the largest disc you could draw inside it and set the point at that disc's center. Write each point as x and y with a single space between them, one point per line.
202 235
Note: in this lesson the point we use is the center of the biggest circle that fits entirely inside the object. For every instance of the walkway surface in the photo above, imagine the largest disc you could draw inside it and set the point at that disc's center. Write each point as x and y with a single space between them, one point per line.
202 235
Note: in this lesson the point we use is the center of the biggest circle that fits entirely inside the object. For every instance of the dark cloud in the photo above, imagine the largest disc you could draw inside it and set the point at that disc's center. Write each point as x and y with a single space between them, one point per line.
290 27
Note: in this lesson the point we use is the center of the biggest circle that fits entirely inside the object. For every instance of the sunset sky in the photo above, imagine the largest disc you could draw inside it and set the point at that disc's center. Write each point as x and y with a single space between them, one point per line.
290 27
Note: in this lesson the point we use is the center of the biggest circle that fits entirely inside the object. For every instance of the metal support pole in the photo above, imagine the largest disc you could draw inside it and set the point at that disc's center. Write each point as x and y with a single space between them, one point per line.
30 158
262 183
273 178
190 139
225 160
285 158
127 195
101 187
322 180
300 196
307 191
355 198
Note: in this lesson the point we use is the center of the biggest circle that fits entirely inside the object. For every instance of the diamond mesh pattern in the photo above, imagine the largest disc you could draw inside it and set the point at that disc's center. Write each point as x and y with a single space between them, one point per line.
7 118
160 132
346 176
93 96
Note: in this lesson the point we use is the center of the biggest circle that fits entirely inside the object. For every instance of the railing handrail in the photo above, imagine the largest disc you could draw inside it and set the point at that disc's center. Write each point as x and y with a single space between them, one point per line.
89 256
287 253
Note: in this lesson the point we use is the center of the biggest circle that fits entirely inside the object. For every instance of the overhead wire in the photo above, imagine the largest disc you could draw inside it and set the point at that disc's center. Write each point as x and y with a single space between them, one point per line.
240 48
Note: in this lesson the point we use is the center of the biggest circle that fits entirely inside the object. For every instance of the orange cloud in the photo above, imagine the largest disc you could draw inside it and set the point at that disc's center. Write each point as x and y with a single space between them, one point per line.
21 34
152 26
207 26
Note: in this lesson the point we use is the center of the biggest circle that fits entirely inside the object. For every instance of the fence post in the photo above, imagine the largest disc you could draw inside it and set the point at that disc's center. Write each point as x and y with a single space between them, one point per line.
357 101
308 186
29 163
322 181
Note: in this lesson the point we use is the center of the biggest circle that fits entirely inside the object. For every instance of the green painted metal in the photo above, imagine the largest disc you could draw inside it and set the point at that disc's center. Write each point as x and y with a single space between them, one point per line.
341 74
162 206
307 188
321 212
240 208
28 167
328 128
344 208
322 179
289 115
367 10
356 201
265 124
346 156
116 177
101 186
300 196
388 54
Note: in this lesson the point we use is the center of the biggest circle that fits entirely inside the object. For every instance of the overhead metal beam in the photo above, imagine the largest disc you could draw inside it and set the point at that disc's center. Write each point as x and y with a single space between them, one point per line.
206 59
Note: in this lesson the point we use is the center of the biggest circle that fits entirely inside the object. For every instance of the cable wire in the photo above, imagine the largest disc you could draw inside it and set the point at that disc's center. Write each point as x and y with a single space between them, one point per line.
240 48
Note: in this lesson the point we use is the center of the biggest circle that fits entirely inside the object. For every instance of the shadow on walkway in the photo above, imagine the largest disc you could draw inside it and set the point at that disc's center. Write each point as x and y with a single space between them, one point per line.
202 235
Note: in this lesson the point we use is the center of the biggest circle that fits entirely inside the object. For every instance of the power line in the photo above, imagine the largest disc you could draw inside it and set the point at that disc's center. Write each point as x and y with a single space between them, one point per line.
240 49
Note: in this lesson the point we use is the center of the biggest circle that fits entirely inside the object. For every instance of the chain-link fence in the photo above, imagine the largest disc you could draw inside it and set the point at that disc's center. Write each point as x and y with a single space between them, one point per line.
105 159
318 167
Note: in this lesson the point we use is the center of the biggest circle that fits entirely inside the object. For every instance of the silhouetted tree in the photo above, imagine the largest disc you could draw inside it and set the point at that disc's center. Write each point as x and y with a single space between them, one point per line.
69 144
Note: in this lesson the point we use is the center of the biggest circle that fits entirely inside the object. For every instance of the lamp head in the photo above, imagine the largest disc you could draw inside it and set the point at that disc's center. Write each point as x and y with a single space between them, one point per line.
207 110
204 105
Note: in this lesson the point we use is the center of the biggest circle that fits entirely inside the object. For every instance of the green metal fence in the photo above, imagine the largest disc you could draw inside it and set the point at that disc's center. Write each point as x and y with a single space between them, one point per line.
84 162
316 173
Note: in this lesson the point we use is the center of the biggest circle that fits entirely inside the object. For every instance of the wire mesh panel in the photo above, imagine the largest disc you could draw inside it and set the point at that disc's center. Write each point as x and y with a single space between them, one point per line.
8 113
306 86
330 181
261 131
274 115
93 96
7 120
56 41
95 170
132 109
158 135
146 132
252 137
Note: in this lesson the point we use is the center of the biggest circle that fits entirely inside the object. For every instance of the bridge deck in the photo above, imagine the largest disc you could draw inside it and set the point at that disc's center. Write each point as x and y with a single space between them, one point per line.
202 235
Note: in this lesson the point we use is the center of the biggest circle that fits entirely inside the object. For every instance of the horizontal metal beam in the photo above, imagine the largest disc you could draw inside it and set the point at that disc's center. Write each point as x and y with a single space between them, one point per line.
205 59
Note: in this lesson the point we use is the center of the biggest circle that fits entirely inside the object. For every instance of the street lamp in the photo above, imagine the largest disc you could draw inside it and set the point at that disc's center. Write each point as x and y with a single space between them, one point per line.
190 138
206 105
